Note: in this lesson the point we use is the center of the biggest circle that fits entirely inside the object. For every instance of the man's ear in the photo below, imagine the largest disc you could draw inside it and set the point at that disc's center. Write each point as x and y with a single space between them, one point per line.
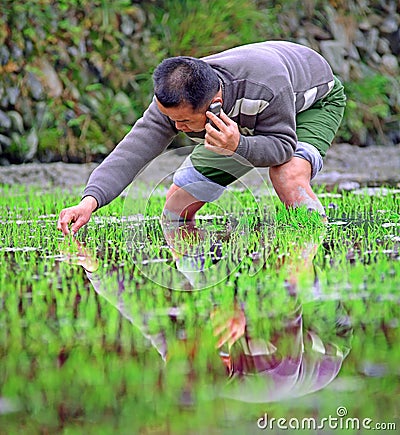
216 104
217 99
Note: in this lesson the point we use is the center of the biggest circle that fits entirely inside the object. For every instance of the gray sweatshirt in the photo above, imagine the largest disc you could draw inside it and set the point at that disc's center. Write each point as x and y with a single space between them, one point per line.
264 86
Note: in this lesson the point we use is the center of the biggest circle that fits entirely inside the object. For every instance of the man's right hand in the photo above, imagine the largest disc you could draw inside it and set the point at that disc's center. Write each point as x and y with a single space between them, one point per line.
78 215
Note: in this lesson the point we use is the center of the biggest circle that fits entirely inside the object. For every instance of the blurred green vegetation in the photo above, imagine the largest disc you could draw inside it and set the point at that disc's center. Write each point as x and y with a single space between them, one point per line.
76 74
368 105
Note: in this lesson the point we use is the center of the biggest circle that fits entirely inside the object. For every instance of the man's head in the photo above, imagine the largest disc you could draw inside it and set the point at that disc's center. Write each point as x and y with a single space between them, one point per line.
184 88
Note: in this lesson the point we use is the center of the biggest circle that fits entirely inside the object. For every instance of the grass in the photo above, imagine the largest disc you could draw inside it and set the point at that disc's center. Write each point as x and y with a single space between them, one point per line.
119 350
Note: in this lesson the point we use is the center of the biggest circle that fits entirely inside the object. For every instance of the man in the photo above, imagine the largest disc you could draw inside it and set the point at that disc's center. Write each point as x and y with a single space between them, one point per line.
281 108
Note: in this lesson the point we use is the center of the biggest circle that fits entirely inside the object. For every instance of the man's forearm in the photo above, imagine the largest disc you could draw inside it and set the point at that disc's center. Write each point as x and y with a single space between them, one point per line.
147 139
265 151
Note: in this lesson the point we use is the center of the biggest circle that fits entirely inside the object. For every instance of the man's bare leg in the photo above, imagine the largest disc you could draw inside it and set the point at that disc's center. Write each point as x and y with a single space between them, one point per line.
182 235
181 204
291 182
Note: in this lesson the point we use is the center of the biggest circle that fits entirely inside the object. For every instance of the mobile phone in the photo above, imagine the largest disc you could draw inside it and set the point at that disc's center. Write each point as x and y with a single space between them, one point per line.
216 109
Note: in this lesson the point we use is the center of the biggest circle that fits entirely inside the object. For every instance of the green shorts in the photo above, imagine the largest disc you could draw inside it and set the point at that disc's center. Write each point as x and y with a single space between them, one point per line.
316 126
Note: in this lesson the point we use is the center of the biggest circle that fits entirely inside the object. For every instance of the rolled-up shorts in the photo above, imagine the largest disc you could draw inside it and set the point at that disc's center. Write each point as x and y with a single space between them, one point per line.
205 174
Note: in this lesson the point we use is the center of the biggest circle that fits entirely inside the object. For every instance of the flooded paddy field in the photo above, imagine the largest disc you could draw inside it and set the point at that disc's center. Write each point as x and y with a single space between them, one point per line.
252 319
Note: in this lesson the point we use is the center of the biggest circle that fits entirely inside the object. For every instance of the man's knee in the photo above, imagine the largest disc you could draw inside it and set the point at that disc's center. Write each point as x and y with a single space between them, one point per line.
295 171
181 203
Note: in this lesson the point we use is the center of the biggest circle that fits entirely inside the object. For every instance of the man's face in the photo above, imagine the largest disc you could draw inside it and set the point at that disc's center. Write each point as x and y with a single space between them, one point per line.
184 117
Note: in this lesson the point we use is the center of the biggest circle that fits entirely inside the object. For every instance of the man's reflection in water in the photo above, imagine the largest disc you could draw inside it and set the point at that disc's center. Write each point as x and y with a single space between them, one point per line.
281 357
192 249
185 242
302 355
268 356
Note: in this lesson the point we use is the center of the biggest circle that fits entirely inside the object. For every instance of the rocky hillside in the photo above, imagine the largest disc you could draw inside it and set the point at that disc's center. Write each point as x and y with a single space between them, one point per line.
75 74
361 41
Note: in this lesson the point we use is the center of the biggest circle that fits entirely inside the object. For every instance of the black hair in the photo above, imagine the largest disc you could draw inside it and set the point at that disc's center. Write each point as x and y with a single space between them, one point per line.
185 79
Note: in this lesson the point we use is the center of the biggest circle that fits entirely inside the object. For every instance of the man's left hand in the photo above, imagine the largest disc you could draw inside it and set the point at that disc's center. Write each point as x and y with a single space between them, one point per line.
226 140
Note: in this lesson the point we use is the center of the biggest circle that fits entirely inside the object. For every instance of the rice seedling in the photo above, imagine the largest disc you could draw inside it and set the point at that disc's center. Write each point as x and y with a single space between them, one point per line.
109 333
